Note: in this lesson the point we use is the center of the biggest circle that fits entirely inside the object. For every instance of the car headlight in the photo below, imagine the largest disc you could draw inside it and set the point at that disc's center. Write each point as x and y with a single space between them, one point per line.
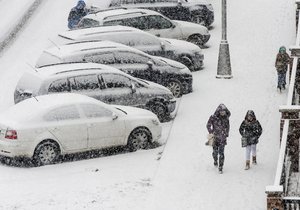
185 71
155 121
210 7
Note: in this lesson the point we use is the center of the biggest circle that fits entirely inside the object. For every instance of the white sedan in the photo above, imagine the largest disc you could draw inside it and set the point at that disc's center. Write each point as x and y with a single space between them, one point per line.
45 127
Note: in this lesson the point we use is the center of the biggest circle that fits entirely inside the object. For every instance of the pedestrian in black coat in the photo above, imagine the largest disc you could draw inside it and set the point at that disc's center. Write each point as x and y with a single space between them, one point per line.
250 130
218 125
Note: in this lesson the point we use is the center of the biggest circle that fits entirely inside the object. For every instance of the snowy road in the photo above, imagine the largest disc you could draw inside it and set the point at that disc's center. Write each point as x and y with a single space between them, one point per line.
184 178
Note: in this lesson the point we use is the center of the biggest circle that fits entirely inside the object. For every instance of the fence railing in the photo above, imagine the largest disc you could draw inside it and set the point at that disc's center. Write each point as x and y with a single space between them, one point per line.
278 193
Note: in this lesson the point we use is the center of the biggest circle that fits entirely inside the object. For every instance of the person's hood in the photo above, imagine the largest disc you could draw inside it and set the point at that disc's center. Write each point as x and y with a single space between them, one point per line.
80 5
250 113
222 107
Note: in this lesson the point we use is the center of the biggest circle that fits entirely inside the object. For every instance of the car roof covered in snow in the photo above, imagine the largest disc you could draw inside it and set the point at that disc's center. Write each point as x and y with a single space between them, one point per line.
94 31
33 107
82 47
75 69
119 13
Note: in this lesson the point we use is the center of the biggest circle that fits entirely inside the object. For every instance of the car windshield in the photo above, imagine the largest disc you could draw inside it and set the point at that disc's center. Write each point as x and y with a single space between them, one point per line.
88 23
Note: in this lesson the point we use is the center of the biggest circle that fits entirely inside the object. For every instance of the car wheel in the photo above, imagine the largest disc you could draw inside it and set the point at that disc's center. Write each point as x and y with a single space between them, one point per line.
175 87
139 138
196 39
46 153
187 62
159 109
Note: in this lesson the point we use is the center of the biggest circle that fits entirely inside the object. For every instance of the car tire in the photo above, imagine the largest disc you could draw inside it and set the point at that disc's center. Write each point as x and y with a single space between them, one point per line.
187 62
46 153
139 138
159 109
196 39
175 87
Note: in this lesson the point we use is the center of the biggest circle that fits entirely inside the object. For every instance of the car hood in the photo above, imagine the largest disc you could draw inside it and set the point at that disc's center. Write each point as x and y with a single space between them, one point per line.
182 46
172 63
192 28
133 111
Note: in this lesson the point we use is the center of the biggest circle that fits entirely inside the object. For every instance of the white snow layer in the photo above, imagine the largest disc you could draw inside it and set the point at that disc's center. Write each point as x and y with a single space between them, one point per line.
183 176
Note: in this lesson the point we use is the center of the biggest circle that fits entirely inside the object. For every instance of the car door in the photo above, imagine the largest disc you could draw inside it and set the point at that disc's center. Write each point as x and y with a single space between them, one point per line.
117 89
132 63
163 27
68 127
104 128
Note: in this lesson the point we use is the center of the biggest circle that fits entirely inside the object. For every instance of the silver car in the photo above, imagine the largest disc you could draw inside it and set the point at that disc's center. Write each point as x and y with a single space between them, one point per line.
168 73
101 82
184 52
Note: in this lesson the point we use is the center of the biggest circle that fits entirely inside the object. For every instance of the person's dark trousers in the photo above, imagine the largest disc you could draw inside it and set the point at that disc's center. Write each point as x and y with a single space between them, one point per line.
281 79
218 150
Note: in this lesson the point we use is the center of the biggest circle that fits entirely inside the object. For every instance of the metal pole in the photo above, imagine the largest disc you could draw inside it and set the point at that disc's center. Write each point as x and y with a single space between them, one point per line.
224 65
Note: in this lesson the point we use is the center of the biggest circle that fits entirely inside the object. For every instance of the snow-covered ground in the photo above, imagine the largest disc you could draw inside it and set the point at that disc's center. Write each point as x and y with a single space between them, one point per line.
180 174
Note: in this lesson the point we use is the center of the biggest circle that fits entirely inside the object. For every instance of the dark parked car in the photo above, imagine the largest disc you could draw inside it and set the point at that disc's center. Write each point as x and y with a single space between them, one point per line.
98 81
184 52
197 11
169 73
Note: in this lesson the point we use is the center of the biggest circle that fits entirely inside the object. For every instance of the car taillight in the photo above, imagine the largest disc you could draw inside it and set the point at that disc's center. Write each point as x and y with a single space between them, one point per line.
11 134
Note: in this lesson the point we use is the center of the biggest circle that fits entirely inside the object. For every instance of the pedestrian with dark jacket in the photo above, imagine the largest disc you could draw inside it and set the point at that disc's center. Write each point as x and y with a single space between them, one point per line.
218 126
76 14
281 64
250 130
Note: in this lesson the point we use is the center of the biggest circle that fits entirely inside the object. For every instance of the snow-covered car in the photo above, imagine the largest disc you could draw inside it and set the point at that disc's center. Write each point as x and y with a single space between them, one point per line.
101 82
149 21
184 52
45 127
198 11
171 74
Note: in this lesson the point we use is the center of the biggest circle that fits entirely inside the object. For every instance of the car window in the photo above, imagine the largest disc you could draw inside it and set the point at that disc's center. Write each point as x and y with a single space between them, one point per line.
103 58
113 22
88 23
116 81
60 85
95 111
158 22
130 58
85 82
136 22
69 112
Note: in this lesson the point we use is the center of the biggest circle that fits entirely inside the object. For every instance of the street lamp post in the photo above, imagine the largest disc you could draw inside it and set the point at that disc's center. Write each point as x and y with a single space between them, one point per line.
224 66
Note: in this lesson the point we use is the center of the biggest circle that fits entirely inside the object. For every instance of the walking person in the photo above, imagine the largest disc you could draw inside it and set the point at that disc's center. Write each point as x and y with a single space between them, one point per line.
281 64
250 130
76 14
218 126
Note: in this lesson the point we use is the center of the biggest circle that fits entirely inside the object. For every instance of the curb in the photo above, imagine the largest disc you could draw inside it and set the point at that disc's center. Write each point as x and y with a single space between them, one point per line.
11 35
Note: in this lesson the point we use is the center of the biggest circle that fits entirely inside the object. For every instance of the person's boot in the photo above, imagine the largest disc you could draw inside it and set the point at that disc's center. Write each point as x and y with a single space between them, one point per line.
215 163
220 170
247 165
254 160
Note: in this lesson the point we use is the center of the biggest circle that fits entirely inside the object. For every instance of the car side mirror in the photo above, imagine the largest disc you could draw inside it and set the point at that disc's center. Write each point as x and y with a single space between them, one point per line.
114 116
173 25
162 46
133 88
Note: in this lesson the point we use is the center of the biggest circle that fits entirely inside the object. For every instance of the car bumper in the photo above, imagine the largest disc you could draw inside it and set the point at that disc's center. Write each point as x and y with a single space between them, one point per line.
187 84
205 38
171 106
197 62
156 132
12 148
